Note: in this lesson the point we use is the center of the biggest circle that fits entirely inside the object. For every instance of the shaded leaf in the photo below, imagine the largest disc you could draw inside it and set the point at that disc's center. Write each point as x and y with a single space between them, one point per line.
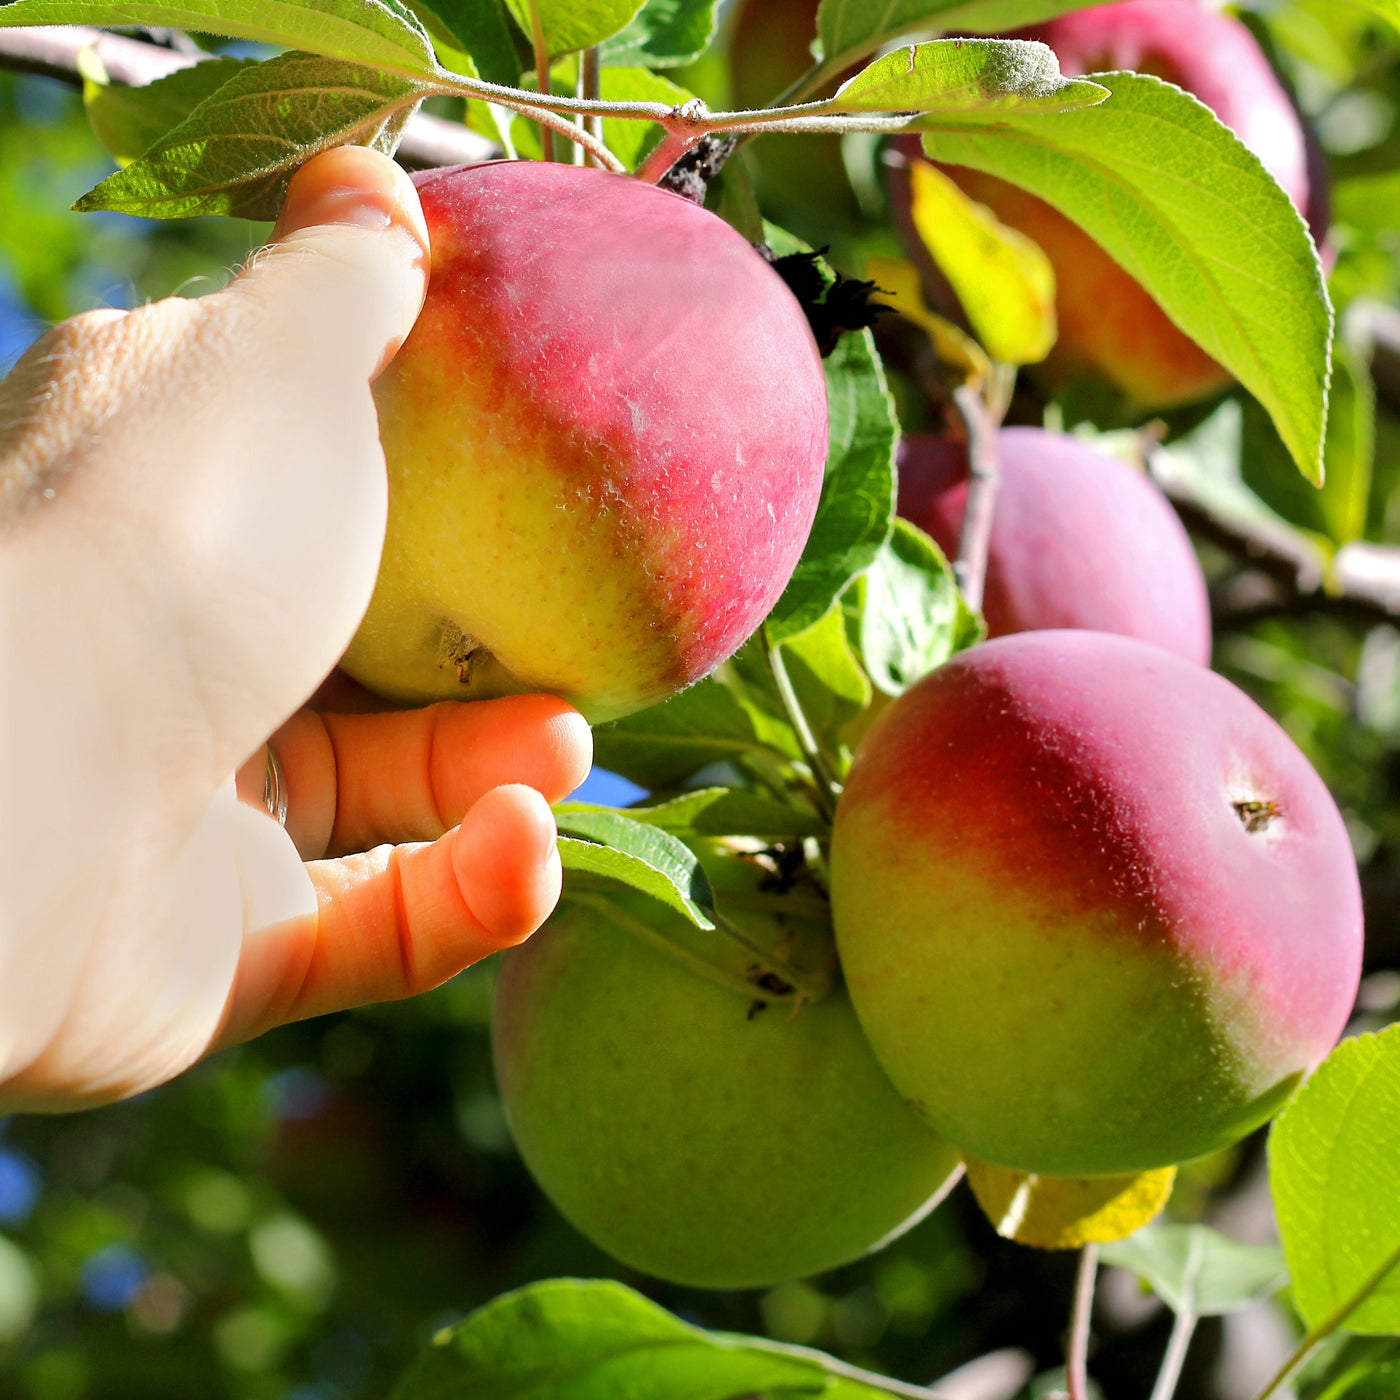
664 34
236 152
721 718
1190 212
850 29
828 681
481 29
726 811
571 25
574 1340
912 616
857 502
1196 1270
376 32
130 120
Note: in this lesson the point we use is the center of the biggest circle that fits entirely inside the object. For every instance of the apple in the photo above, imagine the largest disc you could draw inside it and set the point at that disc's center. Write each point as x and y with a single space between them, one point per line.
1095 910
1079 539
605 440
1110 328
692 1131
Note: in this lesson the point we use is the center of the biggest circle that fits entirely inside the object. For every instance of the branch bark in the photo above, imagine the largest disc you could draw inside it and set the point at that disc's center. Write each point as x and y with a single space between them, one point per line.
1286 573
53 52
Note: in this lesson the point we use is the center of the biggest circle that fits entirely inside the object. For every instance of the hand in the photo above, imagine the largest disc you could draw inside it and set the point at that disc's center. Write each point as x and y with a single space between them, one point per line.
192 507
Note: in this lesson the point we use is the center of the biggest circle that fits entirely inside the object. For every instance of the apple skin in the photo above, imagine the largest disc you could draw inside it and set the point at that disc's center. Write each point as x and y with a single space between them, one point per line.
688 1135
605 439
1079 539
1064 943
1110 328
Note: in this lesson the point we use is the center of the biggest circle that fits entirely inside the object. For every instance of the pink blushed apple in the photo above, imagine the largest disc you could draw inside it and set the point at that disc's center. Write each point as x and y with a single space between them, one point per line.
605 439
1079 539
1095 910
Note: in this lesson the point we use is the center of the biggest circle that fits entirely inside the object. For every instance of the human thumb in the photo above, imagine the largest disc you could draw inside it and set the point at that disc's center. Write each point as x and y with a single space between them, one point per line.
347 264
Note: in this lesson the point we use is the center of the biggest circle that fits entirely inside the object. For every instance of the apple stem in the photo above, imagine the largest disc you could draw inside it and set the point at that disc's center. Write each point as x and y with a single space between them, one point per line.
672 146
541 73
826 786
1076 1362
970 567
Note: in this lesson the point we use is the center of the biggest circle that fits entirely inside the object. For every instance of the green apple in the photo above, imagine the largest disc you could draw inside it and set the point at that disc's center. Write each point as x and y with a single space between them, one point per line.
690 1128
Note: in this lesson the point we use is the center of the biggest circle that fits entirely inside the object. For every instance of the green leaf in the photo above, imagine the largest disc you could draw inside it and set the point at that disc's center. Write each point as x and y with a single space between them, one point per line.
1004 281
381 33
1196 1270
850 29
727 811
645 857
912 616
967 77
720 719
1179 201
1335 1174
857 501
130 120
235 153
664 34
830 685
481 29
571 25
573 1340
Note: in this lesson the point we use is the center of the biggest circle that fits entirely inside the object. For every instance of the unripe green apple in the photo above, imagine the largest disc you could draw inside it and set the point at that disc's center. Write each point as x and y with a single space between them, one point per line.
1096 912
1079 539
605 439
694 1132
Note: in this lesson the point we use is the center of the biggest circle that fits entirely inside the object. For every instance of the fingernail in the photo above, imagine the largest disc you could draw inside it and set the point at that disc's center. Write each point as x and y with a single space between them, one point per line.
351 186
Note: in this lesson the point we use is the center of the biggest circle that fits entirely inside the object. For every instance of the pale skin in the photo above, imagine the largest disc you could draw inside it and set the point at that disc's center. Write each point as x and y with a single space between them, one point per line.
192 507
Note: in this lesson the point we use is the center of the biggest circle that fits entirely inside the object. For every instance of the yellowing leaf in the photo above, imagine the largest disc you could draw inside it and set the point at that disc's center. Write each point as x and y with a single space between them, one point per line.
1054 1212
897 285
1004 281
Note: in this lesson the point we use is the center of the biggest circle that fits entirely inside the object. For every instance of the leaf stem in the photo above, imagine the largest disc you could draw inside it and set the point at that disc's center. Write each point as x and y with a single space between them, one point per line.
541 74
1174 1358
827 788
1076 1361
970 567
591 79
1328 1325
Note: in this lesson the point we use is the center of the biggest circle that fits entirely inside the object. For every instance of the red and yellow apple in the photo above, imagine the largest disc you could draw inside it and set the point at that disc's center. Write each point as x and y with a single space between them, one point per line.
691 1130
1110 328
1079 539
1095 910
605 439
